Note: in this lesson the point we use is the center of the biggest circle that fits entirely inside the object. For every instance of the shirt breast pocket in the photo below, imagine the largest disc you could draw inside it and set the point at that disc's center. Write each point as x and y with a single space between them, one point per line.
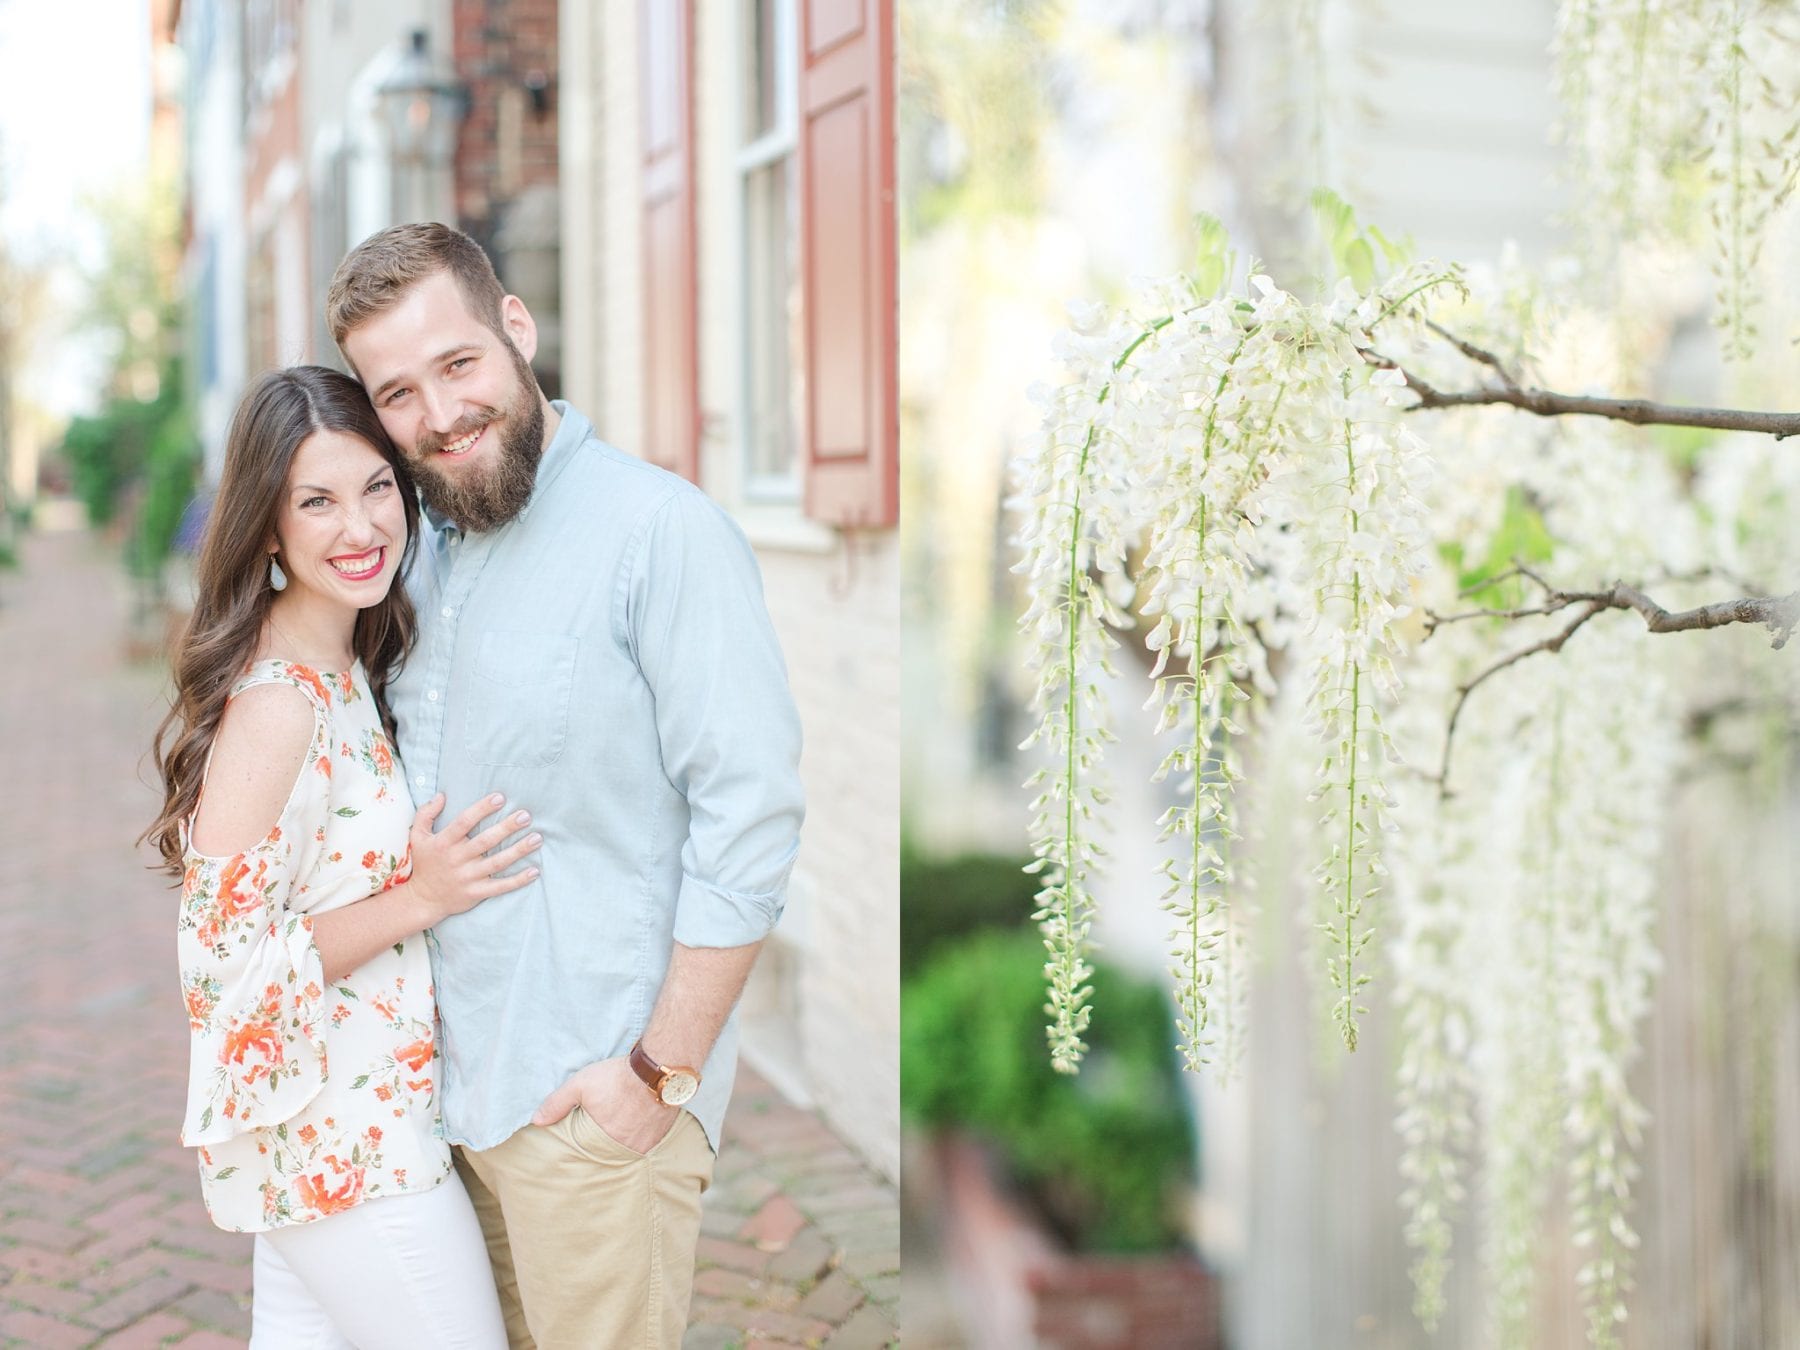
519 698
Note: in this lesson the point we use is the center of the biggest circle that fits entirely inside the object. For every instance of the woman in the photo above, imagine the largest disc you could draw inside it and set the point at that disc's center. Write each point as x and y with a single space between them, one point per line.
307 881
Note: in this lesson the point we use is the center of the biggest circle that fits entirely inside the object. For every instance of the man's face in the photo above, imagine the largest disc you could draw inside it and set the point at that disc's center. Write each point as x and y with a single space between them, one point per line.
458 399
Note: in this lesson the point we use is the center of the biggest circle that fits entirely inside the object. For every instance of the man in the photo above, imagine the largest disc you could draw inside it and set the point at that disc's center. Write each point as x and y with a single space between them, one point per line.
594 644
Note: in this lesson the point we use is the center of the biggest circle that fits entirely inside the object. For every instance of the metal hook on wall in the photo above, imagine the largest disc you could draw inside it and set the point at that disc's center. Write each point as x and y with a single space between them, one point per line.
843 580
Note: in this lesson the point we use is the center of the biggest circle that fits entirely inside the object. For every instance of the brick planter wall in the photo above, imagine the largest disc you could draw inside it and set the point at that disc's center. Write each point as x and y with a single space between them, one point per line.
1020 1290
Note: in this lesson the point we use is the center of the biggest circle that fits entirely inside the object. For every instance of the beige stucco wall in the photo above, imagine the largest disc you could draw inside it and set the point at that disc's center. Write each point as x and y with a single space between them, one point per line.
822 1014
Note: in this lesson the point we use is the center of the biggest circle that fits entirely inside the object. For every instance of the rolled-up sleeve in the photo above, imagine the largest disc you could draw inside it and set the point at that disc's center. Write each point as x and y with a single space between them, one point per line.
729 732
252 976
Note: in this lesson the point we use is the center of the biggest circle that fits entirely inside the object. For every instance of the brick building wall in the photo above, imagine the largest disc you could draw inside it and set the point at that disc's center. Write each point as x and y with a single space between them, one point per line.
505 52
276 295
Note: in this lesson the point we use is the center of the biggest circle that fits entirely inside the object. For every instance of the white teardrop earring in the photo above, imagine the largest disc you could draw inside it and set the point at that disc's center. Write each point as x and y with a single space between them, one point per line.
277 577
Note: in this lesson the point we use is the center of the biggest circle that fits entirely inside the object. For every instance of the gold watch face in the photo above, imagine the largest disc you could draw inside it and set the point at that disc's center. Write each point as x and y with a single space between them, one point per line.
679 1087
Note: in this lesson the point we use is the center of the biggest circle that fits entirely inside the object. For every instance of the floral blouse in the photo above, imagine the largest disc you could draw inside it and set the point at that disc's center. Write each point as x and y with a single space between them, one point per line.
305 1098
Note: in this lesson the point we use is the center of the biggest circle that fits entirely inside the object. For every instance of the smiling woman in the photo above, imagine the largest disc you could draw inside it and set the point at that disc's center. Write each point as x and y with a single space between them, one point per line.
344 517
306 880
302 485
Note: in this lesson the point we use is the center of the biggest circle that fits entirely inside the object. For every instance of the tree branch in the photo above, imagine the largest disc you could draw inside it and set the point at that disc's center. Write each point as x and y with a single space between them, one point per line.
1480 355
1547 403
1553 643
1637 411
1779 614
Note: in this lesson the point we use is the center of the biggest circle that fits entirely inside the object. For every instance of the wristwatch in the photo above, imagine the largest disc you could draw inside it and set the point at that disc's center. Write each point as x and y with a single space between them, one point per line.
673 1086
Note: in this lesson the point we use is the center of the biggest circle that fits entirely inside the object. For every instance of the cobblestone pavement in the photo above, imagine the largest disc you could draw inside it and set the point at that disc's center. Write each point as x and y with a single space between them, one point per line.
103 1241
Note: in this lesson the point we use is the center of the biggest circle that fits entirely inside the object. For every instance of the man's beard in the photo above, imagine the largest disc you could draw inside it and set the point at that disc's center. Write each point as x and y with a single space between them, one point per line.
487 499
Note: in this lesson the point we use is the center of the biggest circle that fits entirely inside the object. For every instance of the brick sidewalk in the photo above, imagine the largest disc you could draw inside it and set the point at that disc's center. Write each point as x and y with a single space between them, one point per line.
103 1241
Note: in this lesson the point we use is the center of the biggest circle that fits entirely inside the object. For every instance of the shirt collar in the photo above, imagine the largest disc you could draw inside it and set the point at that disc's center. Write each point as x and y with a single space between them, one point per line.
572 430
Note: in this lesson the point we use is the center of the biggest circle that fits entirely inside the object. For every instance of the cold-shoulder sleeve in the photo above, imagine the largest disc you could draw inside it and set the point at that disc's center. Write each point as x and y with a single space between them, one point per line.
250 972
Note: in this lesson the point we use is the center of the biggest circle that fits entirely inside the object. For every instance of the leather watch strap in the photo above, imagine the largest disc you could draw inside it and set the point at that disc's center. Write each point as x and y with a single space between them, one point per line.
647 1069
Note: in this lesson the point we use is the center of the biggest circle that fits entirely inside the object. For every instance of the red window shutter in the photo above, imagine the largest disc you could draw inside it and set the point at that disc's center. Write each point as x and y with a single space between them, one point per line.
851 427
671 347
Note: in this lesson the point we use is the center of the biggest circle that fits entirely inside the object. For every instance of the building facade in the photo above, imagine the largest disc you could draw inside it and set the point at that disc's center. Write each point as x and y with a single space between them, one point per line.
728 311
311 126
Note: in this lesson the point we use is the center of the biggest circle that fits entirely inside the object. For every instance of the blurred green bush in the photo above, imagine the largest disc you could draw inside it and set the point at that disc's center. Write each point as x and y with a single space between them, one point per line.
1105 1154
943 898
131 442
170 467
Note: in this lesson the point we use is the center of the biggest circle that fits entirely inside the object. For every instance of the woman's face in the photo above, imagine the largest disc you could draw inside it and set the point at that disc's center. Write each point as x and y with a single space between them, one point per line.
341 527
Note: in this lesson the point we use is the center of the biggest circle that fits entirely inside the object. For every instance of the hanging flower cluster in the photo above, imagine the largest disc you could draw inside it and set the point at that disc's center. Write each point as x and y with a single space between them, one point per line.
1237 468
1525 890
1630 74
1247 455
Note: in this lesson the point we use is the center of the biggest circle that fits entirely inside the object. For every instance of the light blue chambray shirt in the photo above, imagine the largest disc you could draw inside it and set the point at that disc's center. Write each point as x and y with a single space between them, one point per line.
607 662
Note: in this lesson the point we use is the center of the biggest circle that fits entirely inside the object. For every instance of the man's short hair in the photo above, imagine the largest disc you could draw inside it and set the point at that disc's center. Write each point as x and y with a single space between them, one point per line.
377 274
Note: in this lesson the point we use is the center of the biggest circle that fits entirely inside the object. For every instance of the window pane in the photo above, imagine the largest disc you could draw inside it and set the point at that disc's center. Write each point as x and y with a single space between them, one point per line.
774 335
762 82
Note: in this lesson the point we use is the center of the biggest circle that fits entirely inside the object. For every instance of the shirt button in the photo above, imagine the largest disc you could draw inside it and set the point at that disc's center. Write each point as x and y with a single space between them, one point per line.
432 695
447 611
420 780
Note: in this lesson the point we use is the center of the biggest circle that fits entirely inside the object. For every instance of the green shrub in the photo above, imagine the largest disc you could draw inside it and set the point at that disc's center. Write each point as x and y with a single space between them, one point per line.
104 454
169 472
945 898
1105 1153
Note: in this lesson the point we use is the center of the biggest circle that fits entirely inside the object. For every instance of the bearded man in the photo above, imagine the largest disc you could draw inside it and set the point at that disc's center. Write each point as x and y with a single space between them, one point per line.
593 644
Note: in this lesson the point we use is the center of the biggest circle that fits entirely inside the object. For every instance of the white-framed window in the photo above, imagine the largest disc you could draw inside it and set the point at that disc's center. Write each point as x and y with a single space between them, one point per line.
768 182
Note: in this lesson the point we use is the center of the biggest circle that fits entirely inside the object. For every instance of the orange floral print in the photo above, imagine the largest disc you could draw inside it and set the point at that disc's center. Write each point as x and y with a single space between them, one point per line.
202 997
293 1087
259 1036
311 679
234 900
315 1195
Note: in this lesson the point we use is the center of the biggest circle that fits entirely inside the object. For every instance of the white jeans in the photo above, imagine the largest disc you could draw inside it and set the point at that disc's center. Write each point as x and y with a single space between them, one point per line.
398 1273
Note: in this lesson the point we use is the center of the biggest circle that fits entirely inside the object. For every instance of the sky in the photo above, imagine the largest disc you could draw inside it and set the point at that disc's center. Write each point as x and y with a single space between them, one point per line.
74 122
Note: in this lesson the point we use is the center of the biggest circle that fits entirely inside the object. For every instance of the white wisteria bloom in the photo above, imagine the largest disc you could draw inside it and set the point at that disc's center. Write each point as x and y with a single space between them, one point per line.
1258 461
1235 477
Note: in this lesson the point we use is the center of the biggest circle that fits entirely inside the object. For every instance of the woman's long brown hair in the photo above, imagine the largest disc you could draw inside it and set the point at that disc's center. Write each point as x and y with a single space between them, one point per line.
276 416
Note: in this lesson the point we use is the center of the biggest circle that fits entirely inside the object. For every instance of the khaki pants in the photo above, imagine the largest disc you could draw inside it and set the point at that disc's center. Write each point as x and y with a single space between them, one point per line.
592 1245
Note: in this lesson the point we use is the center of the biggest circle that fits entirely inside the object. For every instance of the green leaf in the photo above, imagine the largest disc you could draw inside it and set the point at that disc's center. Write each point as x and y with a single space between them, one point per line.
1359 262
347 811
1522 535
1213 259
361 1082
224 1173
